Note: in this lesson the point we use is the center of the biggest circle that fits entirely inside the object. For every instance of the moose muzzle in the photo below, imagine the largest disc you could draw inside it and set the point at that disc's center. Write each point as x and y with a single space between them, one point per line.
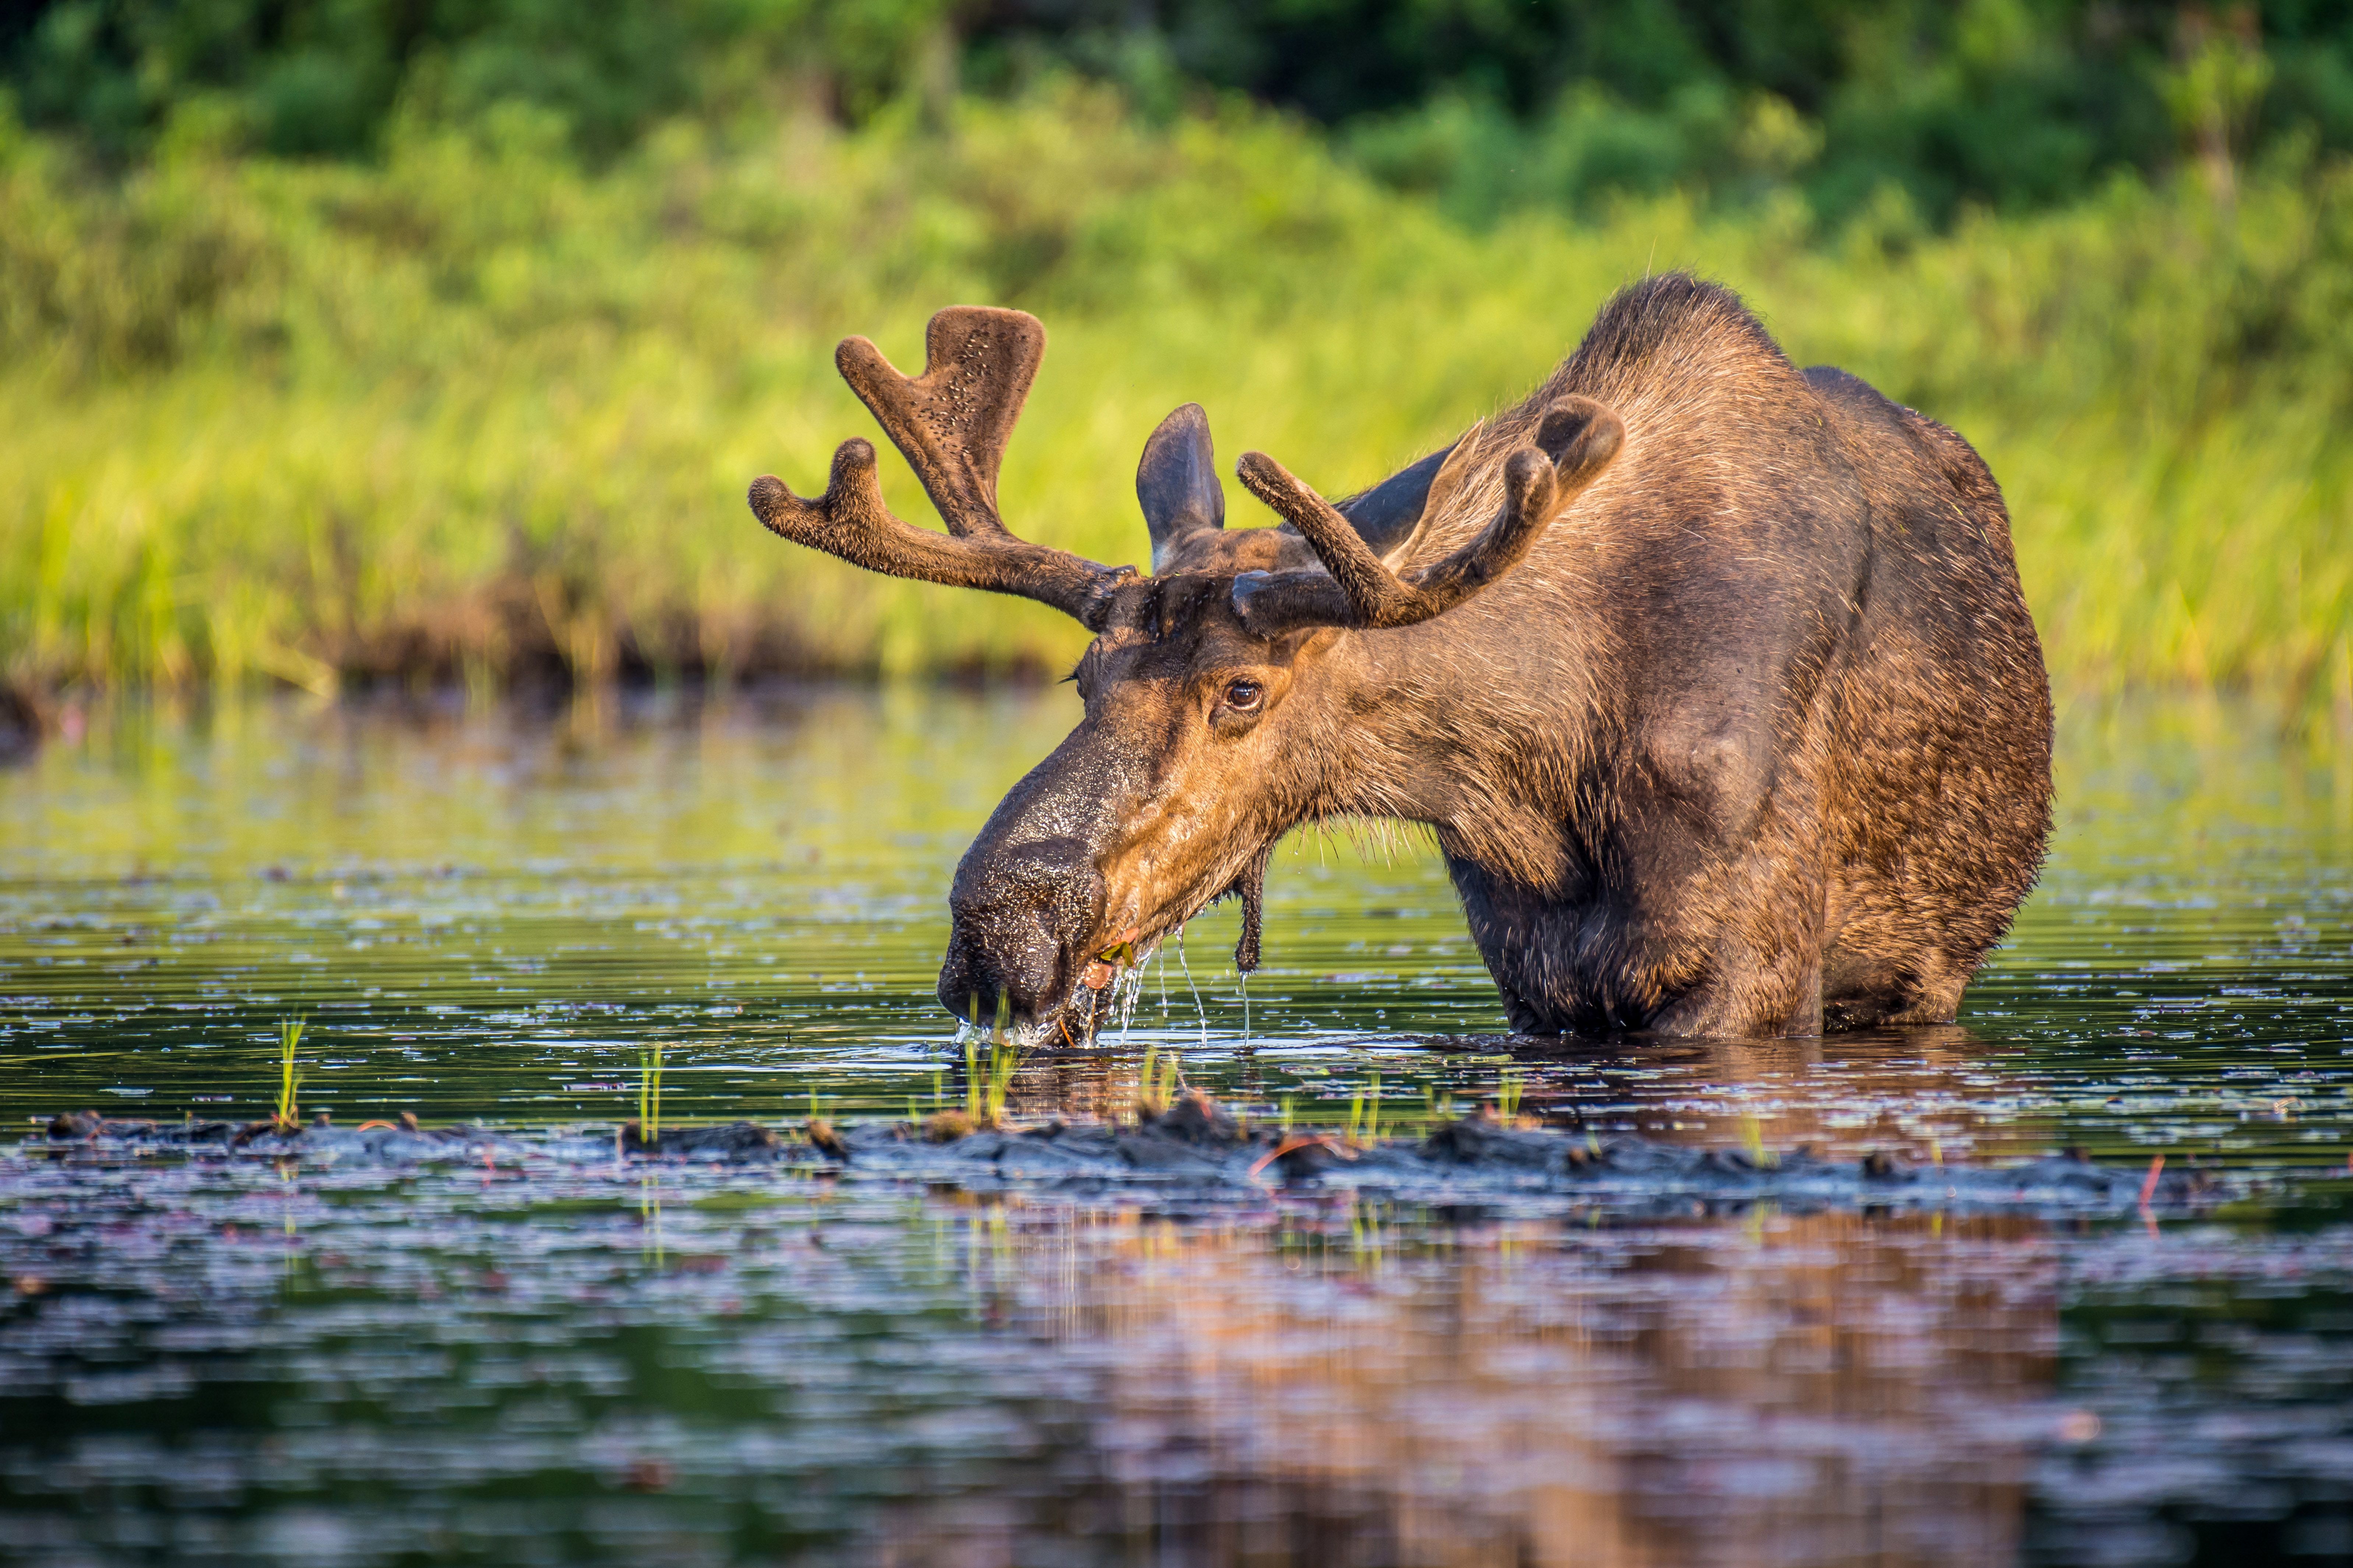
1023 913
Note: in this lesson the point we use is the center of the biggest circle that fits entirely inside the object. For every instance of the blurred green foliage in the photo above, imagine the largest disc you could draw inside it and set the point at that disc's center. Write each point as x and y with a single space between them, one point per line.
328 77
2009 103
1485 104
482 406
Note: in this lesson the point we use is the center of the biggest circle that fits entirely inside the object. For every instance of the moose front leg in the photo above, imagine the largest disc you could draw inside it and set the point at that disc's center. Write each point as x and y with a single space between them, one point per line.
1762 974
1805 1023
1589 968
1750 1000
1556 963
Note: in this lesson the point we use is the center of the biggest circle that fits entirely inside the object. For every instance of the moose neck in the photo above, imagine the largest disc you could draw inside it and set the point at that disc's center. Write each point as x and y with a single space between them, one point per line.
1464 726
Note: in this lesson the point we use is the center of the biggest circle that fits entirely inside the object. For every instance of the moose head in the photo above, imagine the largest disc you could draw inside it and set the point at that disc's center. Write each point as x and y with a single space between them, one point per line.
1256 679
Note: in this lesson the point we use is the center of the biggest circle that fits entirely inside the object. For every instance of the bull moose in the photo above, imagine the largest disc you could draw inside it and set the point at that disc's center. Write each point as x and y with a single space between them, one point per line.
1713 677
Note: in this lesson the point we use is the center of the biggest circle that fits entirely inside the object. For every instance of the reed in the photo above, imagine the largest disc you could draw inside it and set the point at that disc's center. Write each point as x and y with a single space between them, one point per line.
287 1116
649 1093
1364 1113
1510 1088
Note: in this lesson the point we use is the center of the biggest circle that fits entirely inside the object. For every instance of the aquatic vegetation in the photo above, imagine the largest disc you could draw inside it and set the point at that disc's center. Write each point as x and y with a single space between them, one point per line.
1510 1086
288 1113
649 1093
989 1085
947 1126
1157 1082
1364 1113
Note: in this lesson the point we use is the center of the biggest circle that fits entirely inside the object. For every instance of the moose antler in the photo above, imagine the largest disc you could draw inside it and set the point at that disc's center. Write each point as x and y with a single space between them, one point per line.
952 424
1575 440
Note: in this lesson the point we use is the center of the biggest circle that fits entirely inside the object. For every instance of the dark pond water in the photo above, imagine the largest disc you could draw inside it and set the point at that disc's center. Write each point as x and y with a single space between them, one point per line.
494 915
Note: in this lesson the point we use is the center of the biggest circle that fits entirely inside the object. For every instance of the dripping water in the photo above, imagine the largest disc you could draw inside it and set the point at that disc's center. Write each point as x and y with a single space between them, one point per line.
1129 987
1200 1012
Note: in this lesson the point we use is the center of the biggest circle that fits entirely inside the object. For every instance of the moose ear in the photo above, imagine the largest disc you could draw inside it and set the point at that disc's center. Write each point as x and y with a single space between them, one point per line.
1177 482
1581 436
1387 516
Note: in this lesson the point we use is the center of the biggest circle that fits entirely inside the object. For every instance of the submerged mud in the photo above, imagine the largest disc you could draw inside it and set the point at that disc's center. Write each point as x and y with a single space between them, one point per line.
1197 1145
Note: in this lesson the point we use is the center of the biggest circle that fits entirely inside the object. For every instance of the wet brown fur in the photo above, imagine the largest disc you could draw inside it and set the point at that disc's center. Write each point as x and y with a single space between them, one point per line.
1755 740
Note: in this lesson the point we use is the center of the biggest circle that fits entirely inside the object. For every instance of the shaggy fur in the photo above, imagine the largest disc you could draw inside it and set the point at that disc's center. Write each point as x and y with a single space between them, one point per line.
1801 775
1754 739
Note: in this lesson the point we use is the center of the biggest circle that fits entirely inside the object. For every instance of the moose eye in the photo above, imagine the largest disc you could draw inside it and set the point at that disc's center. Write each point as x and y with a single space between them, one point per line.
1244 695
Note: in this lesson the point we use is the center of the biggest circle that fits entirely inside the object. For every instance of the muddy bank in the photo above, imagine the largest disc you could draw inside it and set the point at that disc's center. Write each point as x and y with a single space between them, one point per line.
1197 1145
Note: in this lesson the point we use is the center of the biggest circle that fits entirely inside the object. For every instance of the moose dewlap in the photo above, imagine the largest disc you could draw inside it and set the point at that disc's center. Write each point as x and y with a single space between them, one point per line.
1712 676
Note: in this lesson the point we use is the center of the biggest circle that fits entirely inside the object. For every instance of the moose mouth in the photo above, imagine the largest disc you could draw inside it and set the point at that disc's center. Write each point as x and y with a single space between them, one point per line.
1108 986
1103 988
1099 992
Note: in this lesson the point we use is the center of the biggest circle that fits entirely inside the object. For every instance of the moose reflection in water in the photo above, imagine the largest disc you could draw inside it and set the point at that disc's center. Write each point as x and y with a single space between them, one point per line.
1342 1382
1711 677
1351 1386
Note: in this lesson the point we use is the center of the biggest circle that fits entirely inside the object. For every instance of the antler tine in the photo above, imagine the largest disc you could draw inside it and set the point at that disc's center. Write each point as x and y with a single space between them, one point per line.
1575 440
851 521
952 421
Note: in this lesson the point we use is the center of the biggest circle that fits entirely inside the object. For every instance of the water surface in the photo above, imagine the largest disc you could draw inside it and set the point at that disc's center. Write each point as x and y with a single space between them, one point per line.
495 914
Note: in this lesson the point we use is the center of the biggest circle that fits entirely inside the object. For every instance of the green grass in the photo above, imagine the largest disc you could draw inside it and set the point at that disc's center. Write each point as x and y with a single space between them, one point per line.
649 1092
1158 1083
988 1086
475 412
1364 1113
288 1112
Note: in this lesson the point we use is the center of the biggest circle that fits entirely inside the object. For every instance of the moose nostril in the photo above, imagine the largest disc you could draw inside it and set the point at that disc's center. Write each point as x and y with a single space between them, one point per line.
1021 911
994 975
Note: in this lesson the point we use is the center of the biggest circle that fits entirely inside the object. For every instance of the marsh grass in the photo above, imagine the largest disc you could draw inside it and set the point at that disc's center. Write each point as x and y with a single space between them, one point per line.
1510 1088
1364 1113
650 1094
1158 1083
1004 1060
473 412
287 1114
989 1085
